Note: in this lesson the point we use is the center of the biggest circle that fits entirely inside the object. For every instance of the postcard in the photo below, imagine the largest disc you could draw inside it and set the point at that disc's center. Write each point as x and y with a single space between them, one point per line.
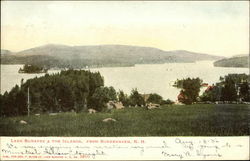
124 80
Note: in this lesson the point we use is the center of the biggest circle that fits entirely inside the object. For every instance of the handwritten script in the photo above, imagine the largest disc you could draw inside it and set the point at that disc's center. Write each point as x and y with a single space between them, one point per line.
90 148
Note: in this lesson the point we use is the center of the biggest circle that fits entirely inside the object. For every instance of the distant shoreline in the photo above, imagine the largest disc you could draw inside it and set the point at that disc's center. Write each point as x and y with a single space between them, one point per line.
116 65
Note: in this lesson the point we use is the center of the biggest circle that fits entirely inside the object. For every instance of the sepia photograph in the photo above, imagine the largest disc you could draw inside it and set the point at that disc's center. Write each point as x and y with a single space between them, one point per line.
116 70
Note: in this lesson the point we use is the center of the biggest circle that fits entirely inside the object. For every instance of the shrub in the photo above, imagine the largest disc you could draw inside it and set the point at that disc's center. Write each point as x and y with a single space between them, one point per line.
155 98
136 98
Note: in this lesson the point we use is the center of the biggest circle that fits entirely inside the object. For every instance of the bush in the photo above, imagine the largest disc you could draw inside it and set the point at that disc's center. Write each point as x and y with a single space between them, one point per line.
101 96
155 98
122 97
168 102
136 98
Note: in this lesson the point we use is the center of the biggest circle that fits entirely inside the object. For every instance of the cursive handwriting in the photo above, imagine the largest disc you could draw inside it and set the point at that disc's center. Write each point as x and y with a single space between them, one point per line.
175 148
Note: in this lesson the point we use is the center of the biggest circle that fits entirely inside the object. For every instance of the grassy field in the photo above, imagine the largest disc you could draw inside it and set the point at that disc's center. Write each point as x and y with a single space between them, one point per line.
175 120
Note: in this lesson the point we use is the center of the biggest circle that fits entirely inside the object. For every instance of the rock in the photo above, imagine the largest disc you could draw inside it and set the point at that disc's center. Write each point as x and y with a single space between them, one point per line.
23 122
52 114
178 103
108 119
152 106
37 114
113 104
110 105
91 110
119 105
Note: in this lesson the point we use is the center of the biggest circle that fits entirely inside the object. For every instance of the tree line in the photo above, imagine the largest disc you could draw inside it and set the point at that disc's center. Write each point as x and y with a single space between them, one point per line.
231 88
64 91
69 90
79 90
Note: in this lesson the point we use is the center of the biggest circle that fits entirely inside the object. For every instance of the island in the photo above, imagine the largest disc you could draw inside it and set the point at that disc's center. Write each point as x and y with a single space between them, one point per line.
27 68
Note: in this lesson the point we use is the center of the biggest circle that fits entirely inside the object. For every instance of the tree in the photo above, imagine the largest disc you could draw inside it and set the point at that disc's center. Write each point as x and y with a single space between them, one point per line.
64 97
155 98
212 93
122 97
6 105
95 81
168 101
101 96
232 87
64 91
112 95
190 89
136 98
244 91
229 92
1 105
80 93
21 100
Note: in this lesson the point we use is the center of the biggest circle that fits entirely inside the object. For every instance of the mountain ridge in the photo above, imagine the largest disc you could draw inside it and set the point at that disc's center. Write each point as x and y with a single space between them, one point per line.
102 55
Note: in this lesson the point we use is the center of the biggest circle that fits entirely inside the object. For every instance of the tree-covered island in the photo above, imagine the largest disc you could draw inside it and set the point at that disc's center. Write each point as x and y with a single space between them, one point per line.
27 68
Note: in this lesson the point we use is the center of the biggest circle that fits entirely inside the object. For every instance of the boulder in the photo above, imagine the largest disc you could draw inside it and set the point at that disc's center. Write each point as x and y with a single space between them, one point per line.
52 114
23 122
110 105
109 119
152 106
119 105
91 110
113 104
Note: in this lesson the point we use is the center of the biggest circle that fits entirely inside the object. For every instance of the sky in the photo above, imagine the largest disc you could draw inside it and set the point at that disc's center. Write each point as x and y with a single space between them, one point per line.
213 27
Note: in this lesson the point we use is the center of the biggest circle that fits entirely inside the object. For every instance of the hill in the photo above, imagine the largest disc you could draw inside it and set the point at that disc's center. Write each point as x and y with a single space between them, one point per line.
236 61
4 52
101 55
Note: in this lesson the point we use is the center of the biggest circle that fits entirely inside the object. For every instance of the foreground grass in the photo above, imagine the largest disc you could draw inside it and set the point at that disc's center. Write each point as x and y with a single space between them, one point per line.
186 120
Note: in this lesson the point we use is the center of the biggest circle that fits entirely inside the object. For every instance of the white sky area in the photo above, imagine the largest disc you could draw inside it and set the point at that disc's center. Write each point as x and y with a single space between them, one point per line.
213 27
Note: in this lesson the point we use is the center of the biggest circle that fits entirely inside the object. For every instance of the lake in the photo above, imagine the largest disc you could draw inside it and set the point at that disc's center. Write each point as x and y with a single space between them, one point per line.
147 78
10 76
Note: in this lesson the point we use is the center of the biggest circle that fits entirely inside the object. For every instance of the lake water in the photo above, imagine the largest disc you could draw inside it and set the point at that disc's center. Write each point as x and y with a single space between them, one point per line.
147 78
10 76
